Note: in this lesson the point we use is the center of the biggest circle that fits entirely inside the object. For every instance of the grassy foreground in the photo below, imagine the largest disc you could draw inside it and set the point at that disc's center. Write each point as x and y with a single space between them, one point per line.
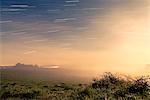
107 87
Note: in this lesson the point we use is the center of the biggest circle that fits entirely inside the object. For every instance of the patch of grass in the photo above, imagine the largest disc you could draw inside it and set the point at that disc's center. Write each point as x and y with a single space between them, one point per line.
107 87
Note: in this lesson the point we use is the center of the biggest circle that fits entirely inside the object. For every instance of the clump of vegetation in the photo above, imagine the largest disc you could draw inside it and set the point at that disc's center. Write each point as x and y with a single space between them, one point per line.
110 87
107 87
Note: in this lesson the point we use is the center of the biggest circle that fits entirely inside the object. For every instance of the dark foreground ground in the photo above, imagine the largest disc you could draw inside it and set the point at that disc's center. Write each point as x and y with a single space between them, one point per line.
107 87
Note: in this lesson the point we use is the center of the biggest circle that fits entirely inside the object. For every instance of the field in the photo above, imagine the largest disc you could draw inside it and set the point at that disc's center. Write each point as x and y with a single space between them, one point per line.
106 87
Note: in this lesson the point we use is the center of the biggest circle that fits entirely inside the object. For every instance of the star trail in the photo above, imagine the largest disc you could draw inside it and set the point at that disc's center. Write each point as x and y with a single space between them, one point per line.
58 31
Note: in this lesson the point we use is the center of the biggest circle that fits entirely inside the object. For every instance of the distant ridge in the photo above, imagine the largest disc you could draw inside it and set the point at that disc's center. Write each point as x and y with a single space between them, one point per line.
46 73
19 65
25 65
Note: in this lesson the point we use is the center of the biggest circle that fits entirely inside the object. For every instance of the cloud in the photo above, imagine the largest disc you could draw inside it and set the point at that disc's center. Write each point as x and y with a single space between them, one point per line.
93 8
64 20
5 21
54 10
70 5
21 6
29 52
72 1
19 33
12 9
51 66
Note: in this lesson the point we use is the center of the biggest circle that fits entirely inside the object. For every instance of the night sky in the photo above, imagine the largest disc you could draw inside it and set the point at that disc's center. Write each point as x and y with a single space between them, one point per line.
104 34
